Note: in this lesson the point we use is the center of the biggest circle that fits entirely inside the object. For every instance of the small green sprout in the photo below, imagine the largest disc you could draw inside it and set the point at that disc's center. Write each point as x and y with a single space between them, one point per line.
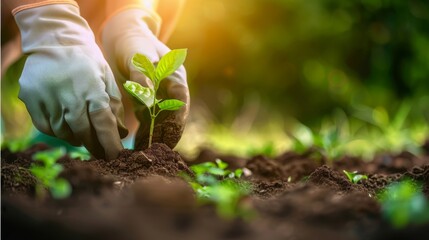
168 64
327 143
218 169
47 174
396 132
354 177
404 203
80 153
16 145
213 183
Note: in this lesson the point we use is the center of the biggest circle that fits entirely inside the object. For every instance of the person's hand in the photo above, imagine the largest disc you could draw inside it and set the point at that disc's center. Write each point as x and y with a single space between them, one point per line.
134 31
67 85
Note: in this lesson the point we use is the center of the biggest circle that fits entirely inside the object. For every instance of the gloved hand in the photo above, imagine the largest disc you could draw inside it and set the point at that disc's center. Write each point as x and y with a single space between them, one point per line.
66 85
134 31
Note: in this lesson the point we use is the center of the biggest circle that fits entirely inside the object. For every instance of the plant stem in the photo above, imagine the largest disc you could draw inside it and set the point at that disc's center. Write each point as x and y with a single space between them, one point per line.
152 123
152 117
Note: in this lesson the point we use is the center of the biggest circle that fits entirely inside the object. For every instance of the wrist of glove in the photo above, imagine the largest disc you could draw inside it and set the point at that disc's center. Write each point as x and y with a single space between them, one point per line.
66 84
126 34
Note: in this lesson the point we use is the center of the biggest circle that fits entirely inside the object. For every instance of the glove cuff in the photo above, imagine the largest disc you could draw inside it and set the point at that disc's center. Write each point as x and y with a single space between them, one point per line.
40 4
52 24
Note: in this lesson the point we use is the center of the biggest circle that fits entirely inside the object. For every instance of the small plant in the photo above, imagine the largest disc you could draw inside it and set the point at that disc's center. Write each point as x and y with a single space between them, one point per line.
213 183
80 153
16 145
168 64
327 143
47 174
354 177
396 132
213 170
404 203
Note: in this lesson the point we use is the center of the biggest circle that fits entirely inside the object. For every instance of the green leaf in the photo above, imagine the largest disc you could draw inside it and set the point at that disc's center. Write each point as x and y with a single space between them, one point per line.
49 157
144 65
380 117
354 177
202 167
171 104
221 164
16 145
169 63
206 179
238 172
39 173
195 186
143 94
60 189
404 203
217 171
350 175
401 115
204 192
359 177
81 154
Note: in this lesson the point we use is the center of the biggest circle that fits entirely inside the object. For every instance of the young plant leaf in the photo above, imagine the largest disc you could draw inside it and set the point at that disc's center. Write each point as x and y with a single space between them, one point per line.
60 189
143 94
359 177
238 172
221 164
49 157
144 65
354 177
202 167
171 104
81 154
403 203
169 63
47 172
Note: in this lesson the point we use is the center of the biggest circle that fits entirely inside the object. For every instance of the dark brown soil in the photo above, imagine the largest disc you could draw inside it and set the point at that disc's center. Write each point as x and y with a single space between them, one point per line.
166 130
139 196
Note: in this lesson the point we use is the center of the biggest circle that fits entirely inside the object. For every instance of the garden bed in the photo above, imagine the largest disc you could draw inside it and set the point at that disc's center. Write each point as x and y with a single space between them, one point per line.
140 196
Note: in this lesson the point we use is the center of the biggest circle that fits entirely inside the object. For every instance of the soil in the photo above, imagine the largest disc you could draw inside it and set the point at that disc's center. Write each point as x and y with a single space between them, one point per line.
140 196
166 130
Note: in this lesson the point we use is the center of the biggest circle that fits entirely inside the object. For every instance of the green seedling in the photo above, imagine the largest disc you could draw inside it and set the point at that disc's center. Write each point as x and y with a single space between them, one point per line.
168 64
354 177
47 170
209 172
80 153
213 183
16 145
403 203
396 132
327 143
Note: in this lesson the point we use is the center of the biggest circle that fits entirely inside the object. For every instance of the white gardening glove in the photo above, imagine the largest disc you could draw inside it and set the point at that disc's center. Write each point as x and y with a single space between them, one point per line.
66 84
133 31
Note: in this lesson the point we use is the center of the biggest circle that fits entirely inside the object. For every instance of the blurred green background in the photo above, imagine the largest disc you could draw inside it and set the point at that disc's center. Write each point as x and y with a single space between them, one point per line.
263 60
264 73
304 58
